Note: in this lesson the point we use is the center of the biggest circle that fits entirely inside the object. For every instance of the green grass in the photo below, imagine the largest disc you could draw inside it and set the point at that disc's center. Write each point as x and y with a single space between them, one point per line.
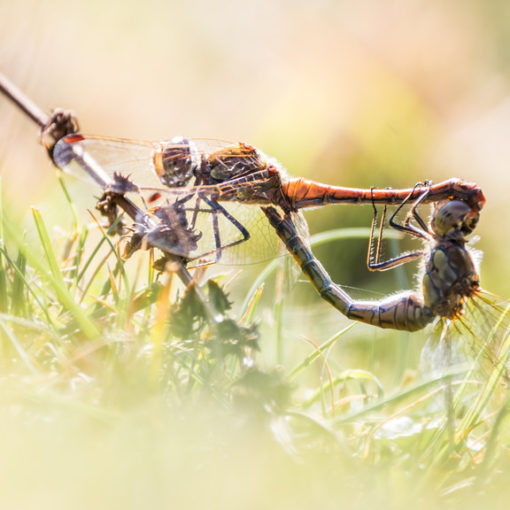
117 389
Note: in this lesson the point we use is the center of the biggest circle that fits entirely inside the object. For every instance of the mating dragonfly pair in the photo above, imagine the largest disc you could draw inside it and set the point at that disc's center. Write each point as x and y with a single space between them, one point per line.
217 197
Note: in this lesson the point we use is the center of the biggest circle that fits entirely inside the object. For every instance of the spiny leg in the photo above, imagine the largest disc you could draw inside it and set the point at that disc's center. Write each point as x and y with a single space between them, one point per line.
375 264
422 233
216 231
370 260
216 210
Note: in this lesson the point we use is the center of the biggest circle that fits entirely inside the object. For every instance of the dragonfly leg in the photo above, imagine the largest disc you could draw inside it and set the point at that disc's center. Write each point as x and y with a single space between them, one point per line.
216 209
414 210
216 232
404 311
406 227
374 263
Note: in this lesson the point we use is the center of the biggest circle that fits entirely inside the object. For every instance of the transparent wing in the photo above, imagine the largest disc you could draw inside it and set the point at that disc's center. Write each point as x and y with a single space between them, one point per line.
186 220
487 321
263 244
128 157
230 233
472 352
135 158
478 340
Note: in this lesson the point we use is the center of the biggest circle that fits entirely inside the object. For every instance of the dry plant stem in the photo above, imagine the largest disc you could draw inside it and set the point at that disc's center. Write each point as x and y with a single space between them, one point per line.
41 119
23 102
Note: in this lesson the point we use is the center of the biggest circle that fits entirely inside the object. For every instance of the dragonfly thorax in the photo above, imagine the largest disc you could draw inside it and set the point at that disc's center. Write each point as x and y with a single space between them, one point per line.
183 162
233 162
450 278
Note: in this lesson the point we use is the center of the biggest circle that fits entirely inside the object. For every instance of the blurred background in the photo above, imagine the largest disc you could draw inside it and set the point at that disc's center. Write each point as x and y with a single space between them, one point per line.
359 94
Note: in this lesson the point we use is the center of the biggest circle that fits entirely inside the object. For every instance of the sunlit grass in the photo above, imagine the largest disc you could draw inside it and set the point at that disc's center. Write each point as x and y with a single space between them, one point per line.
119 390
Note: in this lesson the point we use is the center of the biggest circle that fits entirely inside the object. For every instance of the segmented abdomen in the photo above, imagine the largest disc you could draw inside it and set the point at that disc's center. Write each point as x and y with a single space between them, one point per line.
404 311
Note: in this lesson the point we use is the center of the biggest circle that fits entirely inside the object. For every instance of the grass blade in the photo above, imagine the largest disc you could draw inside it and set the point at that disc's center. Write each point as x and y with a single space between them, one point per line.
54 278
19 349
319 351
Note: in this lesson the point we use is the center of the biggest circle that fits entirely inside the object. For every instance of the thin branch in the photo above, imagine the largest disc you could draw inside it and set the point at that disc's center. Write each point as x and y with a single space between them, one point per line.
22 101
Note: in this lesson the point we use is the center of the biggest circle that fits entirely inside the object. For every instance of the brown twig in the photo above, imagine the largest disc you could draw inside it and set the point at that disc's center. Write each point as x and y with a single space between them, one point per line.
23 102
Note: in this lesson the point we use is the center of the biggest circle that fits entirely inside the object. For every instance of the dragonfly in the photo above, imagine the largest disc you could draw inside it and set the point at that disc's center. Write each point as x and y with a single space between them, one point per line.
217 190
449 281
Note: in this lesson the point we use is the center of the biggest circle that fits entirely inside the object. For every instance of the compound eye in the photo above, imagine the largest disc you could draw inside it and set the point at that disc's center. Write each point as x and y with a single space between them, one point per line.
468 226
450 217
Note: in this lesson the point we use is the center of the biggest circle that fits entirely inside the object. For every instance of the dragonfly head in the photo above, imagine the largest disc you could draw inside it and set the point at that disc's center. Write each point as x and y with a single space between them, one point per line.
454 219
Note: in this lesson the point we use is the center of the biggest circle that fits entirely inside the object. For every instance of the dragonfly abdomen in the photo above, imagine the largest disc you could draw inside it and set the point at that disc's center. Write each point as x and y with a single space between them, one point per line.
405 311
302 193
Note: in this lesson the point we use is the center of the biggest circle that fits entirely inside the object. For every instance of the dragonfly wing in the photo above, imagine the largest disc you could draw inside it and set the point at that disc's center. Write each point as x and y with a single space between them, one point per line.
486 322
263 244
478 339
130 158
245 228
442 350
301 226
231 233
